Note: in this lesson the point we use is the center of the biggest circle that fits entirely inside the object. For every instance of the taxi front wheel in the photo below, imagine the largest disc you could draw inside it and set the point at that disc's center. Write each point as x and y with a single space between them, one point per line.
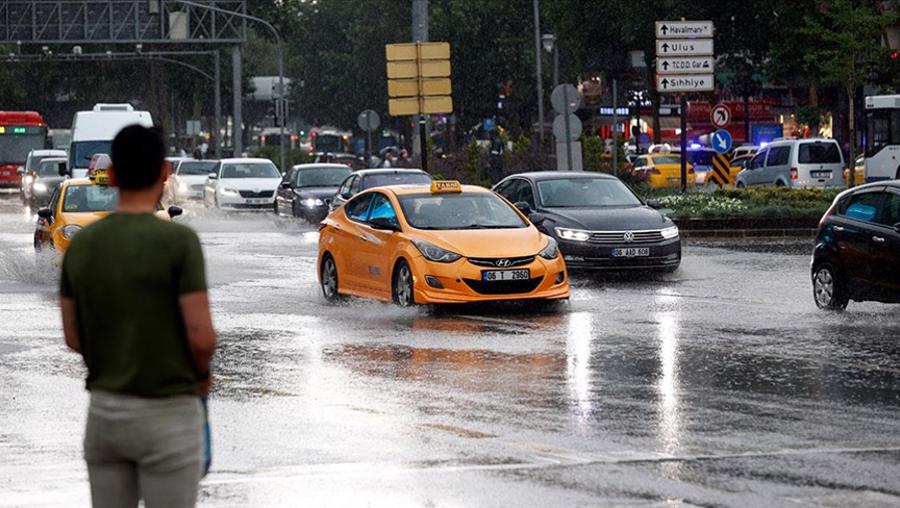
404 294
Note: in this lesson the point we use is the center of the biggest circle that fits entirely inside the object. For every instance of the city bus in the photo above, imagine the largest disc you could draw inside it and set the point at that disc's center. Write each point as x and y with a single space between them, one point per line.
882 138
20 133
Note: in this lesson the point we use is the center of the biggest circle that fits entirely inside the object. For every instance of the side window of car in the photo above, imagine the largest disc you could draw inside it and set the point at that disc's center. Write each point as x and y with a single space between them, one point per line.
778 156
503 188
890 215
354 185
54 200
511 192
525 194
290 176
758 160
864 206
358 209
640 162
345 186
381 208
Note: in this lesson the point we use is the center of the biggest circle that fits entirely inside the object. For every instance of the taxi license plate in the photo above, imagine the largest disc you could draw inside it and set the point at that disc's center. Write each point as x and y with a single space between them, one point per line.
255 201
499 275
675 180
631 253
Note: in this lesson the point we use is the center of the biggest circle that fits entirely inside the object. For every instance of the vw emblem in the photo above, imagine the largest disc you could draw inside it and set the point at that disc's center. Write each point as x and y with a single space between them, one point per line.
503 263
629 236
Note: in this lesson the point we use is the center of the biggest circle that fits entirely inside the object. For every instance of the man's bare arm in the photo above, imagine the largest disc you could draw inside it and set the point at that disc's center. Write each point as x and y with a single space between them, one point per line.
70 323
200 333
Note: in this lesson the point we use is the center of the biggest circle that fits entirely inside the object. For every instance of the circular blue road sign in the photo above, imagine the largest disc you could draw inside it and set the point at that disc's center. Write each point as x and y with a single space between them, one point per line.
721 141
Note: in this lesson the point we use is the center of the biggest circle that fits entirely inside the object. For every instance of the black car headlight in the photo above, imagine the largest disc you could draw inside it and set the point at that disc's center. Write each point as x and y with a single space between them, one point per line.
574 235
551 251
670 233
434 253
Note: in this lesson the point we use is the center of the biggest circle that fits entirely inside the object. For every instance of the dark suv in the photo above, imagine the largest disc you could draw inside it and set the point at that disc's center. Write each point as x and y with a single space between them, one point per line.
857 254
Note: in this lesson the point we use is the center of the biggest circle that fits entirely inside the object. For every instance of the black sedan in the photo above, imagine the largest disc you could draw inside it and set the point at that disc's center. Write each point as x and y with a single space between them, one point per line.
38 185
857 253
368 178
597 220
307 190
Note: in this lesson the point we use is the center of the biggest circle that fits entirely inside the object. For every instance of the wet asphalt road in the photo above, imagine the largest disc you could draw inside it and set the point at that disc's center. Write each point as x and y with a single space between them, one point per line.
720 385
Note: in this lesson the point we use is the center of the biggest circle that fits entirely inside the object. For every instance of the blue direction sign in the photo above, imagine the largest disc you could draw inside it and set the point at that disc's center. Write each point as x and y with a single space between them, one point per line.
721 141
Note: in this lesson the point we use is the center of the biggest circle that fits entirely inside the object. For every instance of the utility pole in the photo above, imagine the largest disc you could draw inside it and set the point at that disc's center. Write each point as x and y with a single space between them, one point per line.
420 34
217 116
615 147
540 79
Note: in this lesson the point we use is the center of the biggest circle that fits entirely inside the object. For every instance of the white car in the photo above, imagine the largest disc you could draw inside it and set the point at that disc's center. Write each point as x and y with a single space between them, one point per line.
245 184
187 180
801 163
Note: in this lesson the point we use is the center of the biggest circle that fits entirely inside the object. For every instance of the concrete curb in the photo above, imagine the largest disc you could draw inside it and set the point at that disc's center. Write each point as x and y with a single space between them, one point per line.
748 228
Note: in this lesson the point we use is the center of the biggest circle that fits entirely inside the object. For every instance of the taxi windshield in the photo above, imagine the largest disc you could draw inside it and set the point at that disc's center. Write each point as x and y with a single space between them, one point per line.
90 198
586 192
250 170
666 159
459 211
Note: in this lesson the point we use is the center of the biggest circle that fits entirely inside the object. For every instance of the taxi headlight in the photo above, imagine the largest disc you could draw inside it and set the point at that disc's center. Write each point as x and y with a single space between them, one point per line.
434 253
229 192
670 233
551 251
310 202
69 231
573 235
39 187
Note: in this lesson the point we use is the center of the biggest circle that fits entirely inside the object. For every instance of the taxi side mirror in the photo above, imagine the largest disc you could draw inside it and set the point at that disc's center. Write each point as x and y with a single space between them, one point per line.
347 195
384 224
537 218
652 203
523 207
174 211
212 176
45 213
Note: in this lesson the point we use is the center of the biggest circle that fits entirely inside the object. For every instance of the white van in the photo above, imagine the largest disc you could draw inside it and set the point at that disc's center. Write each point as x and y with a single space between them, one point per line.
93 132
814 162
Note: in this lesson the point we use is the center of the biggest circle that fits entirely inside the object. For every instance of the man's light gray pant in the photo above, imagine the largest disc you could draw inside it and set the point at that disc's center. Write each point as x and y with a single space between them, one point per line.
150 449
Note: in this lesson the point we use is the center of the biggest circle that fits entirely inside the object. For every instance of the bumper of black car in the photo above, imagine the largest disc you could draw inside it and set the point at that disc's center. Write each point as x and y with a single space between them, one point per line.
314 215
664 255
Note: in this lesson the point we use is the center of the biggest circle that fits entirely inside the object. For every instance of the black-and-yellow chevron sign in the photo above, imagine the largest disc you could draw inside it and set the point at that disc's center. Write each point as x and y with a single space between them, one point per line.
721 171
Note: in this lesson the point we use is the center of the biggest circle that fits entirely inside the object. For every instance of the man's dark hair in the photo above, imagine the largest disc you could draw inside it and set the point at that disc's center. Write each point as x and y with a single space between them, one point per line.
138 153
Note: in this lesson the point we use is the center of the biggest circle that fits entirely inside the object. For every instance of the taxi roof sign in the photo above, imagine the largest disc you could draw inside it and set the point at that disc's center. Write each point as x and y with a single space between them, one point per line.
99 177
445 186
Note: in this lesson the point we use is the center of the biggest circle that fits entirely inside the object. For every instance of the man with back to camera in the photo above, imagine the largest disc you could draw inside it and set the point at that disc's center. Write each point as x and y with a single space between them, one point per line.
134 304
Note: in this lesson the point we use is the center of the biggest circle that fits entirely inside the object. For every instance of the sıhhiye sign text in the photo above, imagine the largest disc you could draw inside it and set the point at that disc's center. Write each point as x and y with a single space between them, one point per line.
685 83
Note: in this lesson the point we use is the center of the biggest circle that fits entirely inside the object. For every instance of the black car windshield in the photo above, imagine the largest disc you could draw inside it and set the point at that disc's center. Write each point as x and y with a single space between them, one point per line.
585 192
380 180
250 170
90 198
819 153
196 168
84 151
321 177
459 211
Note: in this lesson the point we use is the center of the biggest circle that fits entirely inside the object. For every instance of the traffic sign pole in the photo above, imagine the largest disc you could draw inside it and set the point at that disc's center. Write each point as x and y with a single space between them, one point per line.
568 132
683 143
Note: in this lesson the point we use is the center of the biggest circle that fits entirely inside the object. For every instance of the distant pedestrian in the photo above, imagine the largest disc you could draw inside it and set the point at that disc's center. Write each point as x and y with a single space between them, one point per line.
388 161
134 304
198 153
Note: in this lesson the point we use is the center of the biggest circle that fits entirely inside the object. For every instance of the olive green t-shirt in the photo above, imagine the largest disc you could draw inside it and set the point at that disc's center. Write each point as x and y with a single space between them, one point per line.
125 274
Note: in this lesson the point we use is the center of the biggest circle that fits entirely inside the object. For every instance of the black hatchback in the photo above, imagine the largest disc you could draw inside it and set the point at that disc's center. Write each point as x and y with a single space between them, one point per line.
857 253
599 223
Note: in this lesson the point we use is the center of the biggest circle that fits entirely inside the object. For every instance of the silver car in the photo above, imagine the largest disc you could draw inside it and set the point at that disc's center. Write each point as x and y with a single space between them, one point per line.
801 163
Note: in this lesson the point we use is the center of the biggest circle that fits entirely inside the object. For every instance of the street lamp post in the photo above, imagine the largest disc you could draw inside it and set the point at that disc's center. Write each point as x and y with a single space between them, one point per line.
551 46
280 47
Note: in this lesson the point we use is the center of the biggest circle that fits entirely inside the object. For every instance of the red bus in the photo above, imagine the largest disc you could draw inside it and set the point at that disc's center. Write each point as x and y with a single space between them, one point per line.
20 133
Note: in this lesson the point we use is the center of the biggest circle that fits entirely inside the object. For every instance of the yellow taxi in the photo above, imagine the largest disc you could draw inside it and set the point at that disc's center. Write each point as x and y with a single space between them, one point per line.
77 203
661 170
859 169
440 244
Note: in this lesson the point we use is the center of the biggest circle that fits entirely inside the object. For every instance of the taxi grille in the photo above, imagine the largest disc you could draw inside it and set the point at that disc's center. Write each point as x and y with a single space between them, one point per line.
251 194
618 237
504 287
492 262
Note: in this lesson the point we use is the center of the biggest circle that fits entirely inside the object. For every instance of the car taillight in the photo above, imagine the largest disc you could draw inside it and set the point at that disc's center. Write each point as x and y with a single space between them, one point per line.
794 175
655 171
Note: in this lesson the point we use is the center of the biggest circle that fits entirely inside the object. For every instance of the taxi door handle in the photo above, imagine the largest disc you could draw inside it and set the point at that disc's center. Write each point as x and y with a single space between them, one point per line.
878 239
363 238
